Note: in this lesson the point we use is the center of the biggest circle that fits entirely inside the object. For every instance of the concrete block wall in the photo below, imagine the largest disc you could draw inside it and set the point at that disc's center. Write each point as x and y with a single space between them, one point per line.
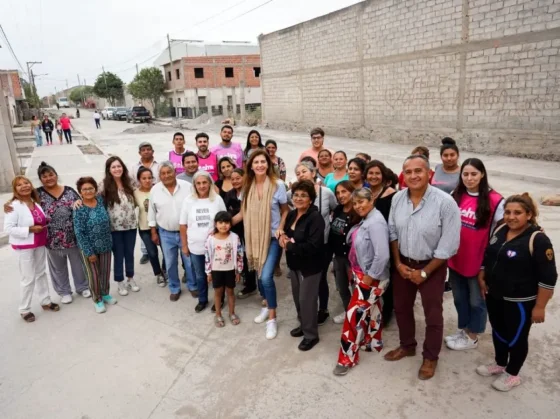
486 72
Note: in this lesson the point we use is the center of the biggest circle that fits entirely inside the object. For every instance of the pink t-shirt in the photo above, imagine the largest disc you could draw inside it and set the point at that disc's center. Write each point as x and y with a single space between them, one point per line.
39 239
177 160
468 260
65 123
311 152
234 152
209 164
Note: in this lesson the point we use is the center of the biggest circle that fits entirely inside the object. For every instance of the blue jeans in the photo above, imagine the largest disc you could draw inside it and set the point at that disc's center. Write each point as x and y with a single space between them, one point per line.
171 246
152 252
471 308
200 272
123 251
267 288
38 137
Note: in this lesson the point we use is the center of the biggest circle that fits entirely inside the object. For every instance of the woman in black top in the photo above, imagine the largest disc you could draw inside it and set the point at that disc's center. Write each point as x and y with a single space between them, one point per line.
377 176
343 219
517 279
233 205
225 169
303 240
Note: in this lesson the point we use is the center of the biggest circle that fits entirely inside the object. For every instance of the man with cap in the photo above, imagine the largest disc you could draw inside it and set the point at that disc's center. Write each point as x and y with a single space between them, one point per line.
147 160
146 152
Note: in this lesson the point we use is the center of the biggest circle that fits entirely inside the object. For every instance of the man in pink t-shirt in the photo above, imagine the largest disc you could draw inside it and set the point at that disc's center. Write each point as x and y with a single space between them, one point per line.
227 148
317 141
66 126
207 160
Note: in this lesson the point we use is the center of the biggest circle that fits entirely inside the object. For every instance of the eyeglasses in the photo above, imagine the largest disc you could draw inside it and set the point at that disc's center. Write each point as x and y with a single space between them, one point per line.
88 190
315 138
300 196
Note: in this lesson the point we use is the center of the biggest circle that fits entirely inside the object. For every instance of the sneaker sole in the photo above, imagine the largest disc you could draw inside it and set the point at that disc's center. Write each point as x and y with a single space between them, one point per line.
505 390
243 296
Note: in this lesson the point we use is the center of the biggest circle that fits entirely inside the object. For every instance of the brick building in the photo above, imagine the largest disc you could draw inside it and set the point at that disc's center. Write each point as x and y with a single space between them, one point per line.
11 88
486 72
219 78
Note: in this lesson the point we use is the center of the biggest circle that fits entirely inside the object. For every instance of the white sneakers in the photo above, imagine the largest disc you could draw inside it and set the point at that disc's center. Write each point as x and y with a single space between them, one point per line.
122 288
86 293
462 343
505 381
340 318
131 285
271 329
263 316
66 299
449 338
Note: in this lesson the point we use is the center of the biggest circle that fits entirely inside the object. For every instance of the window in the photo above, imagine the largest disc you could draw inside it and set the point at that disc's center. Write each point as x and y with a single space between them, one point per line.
179 100
257 71
177 73
169 76
199 73
230 101
229 72
202 101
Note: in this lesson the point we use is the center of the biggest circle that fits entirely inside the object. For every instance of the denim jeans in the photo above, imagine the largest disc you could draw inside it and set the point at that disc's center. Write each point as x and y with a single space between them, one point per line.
200 272
267 288
68 135
171 246
152 252
38 137
342 279
123 251
471 308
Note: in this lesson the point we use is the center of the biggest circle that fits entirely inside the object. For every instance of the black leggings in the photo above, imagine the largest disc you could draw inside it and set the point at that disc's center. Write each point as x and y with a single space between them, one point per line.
48 136
511 323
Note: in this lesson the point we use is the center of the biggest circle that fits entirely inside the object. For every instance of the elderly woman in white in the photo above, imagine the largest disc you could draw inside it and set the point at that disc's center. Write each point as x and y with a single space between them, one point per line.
196 223
27 228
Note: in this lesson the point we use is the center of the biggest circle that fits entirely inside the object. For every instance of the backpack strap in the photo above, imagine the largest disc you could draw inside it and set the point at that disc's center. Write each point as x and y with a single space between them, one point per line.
532 241
498 228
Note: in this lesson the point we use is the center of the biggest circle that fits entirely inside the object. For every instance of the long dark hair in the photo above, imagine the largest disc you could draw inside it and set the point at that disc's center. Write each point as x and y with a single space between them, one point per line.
250 174
110 190
483 210
248 145
346 184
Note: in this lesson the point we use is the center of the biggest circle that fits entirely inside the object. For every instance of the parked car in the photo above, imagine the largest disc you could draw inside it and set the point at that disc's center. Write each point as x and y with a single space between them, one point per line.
138 113
120 113
107 112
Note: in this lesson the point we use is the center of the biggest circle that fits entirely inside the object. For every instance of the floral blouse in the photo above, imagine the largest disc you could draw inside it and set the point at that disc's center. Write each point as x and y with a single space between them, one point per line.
123 215
280 168
61 226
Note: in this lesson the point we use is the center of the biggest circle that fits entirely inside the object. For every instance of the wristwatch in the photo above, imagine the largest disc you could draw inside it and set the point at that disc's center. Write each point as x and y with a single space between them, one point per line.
423 274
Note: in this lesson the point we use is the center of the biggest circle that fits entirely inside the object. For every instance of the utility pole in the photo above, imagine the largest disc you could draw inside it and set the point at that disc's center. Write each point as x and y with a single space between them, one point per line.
30 65
105 80
136 68
172 84
66 85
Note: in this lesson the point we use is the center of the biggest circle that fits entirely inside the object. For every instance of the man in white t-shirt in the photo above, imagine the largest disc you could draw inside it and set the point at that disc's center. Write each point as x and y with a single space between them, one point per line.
97 119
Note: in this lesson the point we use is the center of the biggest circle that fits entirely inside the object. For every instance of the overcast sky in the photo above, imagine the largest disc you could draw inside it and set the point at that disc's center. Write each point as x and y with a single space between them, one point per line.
78 37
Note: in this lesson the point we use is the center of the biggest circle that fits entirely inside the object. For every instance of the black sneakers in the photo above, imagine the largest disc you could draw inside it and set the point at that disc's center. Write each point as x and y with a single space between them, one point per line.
322 316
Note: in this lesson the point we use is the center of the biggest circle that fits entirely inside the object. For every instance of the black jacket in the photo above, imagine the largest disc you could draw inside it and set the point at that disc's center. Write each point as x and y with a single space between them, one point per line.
307 253
511 272
340 226
47 126
233 206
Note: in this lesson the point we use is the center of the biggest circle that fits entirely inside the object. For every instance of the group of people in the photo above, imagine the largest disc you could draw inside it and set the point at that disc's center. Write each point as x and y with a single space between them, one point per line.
228 214
46 126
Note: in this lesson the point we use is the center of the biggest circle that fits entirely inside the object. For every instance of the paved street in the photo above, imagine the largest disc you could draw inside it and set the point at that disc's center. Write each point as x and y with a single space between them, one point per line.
147 358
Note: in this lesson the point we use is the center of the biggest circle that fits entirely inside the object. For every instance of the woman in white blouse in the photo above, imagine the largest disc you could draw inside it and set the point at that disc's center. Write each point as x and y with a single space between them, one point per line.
196 223
27 227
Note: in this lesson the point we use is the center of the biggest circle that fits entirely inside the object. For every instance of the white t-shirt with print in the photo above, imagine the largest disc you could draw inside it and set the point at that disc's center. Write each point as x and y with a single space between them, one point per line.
198 215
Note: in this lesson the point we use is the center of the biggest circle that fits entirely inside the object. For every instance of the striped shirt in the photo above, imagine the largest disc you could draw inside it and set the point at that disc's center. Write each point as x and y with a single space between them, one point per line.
431 230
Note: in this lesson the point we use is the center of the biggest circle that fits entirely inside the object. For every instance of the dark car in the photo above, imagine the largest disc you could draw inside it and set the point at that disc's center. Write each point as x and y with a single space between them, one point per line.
120 113
138 113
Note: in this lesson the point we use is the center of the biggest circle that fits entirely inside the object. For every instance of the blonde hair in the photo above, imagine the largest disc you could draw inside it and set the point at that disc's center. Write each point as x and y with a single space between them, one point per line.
527 203
34 193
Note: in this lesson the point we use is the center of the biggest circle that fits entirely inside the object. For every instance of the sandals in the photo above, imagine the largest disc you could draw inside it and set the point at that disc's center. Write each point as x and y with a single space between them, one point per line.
235 320
219 321
51 307
28 317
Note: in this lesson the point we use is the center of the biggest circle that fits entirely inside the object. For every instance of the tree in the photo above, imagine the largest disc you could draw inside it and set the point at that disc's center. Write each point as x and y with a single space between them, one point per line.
79 94
31 94
109 86
148 84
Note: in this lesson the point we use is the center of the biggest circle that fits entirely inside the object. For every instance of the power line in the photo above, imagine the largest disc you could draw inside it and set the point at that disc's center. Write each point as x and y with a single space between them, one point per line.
12 50
243 14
